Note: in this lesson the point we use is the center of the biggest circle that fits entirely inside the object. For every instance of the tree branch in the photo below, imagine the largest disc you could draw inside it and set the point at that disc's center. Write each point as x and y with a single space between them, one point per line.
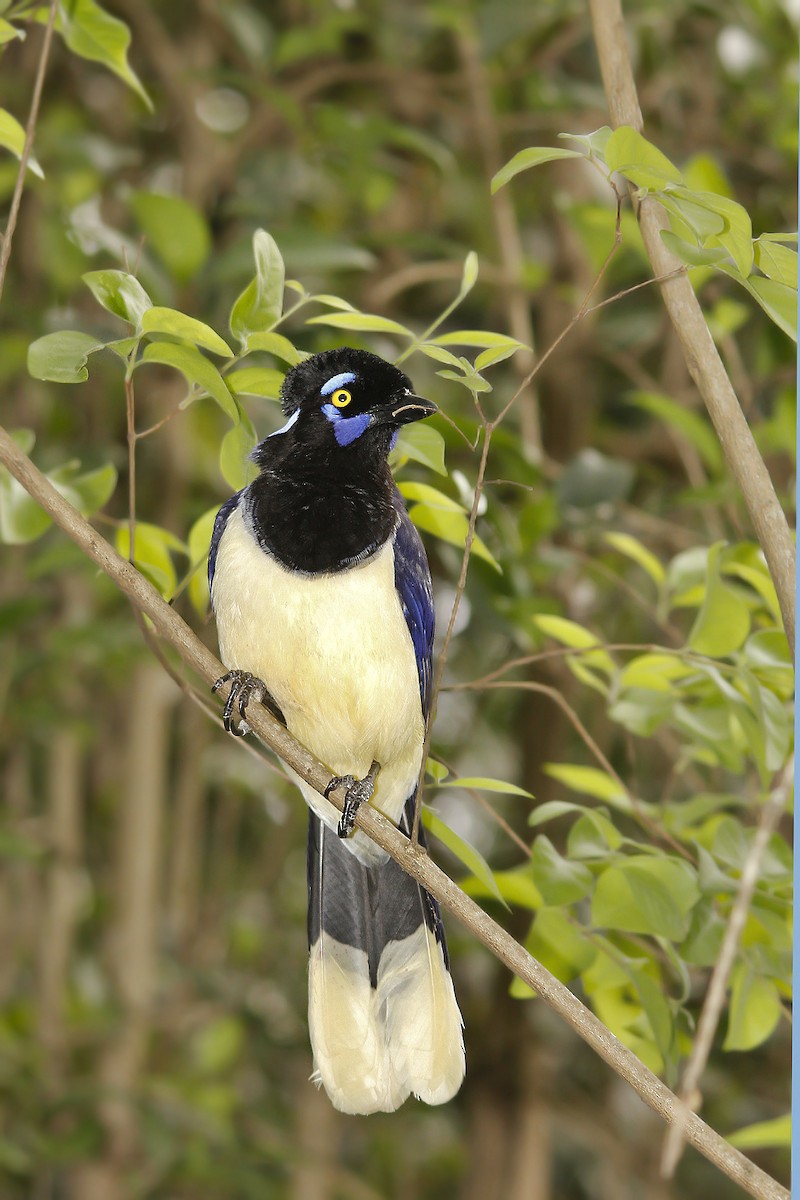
701 354
414 860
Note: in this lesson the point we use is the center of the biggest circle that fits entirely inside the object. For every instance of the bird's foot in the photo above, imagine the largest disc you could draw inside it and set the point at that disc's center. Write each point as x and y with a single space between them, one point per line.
359 791
244 688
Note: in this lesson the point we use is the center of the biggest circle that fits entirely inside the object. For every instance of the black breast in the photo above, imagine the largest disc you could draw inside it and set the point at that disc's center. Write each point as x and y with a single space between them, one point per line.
317 522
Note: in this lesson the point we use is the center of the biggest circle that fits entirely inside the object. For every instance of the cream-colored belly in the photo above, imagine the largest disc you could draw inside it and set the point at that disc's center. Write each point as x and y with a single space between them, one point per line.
336 654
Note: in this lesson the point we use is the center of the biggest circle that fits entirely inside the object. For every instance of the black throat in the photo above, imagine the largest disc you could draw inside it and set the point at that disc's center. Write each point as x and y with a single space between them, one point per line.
321 512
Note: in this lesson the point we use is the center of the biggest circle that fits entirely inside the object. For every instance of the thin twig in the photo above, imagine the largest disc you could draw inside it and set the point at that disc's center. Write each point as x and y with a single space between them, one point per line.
30 129
543 689
412 859
130 415
702 357
714 1002
488 430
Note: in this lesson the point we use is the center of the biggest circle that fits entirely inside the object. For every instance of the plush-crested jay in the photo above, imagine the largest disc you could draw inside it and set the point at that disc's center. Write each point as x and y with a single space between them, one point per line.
322 596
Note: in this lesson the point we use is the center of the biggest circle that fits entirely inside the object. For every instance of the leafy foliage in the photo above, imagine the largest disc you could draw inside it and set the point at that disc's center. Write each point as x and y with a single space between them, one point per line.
618 654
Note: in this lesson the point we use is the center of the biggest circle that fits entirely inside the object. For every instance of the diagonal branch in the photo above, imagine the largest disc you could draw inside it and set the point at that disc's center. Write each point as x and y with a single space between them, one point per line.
701 354
414 860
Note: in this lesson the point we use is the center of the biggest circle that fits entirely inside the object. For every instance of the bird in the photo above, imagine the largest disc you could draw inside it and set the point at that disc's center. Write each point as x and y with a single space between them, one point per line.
323 602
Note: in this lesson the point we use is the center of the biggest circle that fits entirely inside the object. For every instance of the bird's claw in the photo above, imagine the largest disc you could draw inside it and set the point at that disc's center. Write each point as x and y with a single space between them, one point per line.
359 791
244 688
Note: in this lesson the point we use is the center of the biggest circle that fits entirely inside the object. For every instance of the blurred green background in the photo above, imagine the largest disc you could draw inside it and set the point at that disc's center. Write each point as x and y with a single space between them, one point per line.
153 1038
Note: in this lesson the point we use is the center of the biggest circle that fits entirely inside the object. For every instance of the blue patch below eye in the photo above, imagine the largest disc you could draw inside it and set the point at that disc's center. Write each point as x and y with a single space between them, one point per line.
346 429
336 382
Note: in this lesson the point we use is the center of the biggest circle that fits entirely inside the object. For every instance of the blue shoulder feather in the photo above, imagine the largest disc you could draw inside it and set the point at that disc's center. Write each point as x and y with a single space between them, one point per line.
219 527
412 578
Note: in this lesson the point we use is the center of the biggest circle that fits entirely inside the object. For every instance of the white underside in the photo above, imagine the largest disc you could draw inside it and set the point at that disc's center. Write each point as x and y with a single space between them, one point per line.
336 654
374 1047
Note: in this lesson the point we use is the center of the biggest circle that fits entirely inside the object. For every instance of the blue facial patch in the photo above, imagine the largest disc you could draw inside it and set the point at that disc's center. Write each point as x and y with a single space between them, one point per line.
345 429
336 382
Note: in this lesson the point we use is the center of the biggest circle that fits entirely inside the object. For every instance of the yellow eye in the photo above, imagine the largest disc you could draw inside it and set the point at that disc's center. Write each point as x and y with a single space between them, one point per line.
341 398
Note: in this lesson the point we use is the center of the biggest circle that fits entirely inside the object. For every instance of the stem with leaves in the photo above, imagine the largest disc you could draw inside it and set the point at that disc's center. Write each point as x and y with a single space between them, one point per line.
701 354
411 858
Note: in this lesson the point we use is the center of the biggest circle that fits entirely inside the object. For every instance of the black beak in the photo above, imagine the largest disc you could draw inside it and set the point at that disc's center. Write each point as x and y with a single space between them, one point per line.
408 407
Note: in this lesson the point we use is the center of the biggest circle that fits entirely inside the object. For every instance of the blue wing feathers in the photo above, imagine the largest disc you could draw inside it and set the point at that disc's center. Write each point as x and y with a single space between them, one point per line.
412 579
219 527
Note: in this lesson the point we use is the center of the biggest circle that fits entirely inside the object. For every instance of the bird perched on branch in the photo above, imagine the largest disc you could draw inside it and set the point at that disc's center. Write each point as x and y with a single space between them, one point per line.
322 596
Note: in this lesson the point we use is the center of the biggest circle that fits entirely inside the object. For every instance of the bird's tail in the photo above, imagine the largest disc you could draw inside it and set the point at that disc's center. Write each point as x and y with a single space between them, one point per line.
382 1011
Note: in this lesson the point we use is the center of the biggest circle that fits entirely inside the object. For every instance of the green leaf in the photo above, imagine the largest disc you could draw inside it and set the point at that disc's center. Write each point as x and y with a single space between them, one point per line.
152 546
569 633
778 301
763 1135
196 369
534 156
471 858
61 357
199 542
437 770
176 230
688 252
640 161
431 350
21 518
480 338
492 356
361 322
656 672
633 549
469 276
277 345
260 305
451 527
737 233
468 378
688 218
187 329
755 1009
332 302
92 33
12 137
559 945
9 32
482 784
595 143
776 261
588 781
234 453
645 894
559 880
120 294
91 491
431 496
592 836
551 809
656 1010
694 427
723 621
424 444
515 886
256 381
707 928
